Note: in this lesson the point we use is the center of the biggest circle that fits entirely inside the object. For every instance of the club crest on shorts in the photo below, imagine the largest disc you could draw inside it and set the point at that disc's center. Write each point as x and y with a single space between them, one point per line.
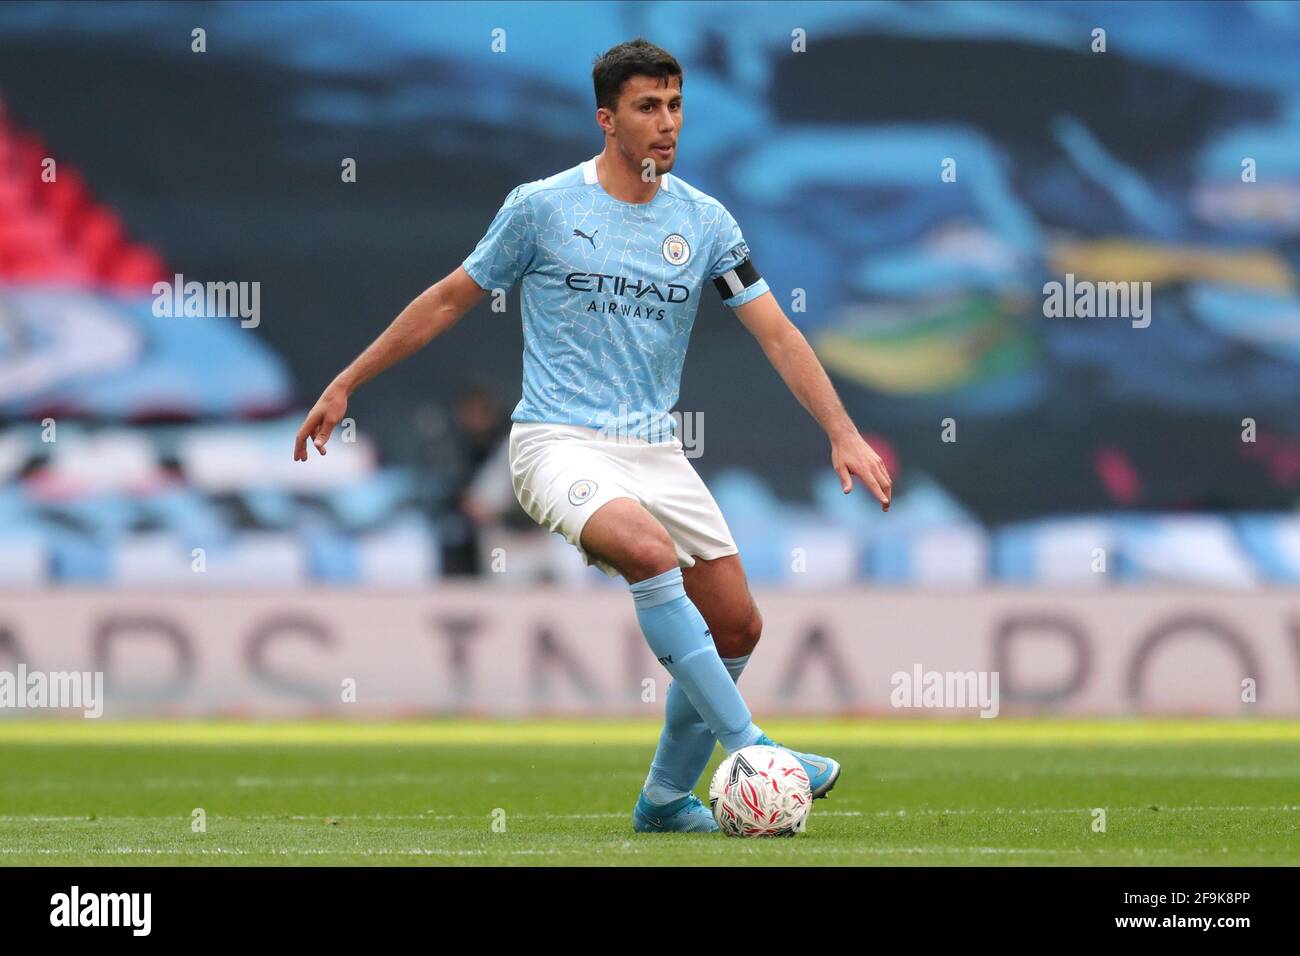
676 249
581 491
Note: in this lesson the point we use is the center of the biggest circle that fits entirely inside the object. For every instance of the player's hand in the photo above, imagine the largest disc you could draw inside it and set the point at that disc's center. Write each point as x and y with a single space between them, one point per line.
325 414
851 455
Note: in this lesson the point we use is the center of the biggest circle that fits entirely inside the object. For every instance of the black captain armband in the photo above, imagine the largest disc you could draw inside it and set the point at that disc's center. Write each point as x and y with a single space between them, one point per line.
736 280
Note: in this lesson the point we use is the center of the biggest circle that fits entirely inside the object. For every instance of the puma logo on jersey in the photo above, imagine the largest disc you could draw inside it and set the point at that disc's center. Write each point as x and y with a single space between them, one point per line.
591 238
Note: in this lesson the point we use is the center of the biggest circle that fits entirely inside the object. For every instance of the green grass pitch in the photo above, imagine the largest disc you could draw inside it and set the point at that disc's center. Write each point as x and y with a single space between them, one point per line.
996 792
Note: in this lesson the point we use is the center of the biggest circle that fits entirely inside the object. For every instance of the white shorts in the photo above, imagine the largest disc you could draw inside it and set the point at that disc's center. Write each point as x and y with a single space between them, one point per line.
563 473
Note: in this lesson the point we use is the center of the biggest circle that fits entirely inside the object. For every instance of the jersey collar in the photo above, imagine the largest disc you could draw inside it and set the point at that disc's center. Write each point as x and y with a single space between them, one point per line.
590 178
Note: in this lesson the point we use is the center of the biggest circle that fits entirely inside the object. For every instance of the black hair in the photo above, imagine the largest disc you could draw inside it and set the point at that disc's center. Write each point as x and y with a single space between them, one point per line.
618 64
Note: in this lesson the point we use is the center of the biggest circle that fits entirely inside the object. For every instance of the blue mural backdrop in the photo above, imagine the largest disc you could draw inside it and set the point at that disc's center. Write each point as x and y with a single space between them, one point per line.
910 183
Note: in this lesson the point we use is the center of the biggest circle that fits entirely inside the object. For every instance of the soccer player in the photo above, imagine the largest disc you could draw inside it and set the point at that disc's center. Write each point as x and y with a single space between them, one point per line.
613 256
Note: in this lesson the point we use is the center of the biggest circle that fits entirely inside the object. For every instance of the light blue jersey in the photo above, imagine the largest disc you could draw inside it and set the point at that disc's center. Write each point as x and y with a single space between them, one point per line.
609 294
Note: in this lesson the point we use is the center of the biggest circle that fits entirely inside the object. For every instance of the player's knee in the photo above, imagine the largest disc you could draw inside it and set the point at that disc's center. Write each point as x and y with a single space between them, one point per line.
740 638
648 557
751 632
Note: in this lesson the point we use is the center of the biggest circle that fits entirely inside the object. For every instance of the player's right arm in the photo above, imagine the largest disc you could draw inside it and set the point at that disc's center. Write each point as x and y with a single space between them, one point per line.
433 312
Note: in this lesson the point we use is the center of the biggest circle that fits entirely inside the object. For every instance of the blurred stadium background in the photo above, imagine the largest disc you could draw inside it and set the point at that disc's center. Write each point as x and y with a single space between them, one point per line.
402 561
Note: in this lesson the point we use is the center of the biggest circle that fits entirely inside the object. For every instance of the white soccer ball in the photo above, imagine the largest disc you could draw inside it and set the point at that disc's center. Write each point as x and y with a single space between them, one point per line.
760 791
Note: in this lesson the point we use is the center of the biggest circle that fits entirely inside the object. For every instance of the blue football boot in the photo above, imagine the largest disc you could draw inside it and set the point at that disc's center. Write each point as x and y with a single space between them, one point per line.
823 772
687 814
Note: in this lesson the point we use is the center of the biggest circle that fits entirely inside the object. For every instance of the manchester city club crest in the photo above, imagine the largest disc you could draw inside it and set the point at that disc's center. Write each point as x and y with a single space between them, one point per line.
581 491
676 249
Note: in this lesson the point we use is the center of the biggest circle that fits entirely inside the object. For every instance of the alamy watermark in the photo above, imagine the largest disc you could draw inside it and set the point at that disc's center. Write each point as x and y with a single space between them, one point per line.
1084 299
56 690
957 690
628 427
130 910
209 300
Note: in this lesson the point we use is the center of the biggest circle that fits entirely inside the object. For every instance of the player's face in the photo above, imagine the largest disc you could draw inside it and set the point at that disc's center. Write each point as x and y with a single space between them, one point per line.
649 118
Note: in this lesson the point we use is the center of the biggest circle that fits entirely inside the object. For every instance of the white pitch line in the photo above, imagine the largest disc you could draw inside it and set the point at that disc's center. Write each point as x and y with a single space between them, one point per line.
323 780
305 851
382 780
975 811
888 814
434 817
722 846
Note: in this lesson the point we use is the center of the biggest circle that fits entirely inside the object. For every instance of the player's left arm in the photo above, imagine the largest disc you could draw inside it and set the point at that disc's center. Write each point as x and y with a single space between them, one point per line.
793 358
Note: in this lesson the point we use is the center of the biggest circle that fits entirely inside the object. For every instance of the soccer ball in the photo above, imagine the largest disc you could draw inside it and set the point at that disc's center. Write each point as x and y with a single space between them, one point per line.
760 791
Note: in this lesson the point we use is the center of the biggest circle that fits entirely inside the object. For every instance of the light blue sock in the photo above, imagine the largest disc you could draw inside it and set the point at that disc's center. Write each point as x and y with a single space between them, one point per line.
679 638
685 745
